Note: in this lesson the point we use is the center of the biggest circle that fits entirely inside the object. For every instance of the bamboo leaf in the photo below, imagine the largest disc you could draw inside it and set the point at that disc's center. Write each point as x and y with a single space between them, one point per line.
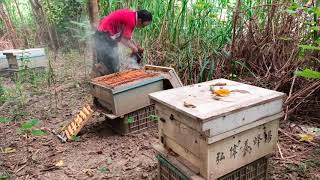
308 47
306 137
307 73
314 28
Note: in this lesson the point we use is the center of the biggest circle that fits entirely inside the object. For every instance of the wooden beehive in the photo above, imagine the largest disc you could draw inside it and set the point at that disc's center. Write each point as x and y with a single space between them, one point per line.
170 167
218 135
134 122
125 92
31 58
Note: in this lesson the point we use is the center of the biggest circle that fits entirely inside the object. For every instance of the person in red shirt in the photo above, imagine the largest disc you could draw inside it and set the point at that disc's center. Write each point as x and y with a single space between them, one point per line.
116 28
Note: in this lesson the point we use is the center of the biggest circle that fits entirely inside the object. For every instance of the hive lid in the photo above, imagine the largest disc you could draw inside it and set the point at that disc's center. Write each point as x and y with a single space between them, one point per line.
206 107
34 52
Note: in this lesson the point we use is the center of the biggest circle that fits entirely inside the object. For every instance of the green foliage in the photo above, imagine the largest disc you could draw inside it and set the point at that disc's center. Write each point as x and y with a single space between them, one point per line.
304 168
60 13
5 120
75 138
3 92
307 73
29 127
308 47
4 177
37 132
30 124
103 169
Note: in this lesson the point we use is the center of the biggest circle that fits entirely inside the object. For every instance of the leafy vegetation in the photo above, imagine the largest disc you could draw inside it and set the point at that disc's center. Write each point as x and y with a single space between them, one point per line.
29 128
266 43
307 73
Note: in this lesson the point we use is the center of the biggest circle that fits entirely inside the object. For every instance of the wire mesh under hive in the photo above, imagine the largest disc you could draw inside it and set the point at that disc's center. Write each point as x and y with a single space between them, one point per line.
256 170
121 78
168 171
134 122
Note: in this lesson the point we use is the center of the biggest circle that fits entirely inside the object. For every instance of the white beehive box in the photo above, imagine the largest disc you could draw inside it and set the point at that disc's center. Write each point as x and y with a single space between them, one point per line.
3 61
219 136
32 58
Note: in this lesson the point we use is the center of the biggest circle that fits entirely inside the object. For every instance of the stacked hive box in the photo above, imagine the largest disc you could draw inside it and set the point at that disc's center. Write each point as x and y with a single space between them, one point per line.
123 97
218 135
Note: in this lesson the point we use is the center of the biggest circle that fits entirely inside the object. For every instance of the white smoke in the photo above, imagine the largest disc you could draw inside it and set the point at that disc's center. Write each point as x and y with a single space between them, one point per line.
126 61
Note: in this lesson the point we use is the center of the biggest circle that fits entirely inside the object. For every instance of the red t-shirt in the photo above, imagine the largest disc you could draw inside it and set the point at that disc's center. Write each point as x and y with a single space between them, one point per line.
122 21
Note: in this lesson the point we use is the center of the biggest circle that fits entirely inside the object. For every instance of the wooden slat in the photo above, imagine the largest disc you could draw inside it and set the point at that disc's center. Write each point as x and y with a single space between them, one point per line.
74 126
79 121
84 116
89 108
67 134
70 130
85 110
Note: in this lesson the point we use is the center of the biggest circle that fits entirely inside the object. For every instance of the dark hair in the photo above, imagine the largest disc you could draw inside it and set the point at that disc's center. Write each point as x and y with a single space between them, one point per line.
144 15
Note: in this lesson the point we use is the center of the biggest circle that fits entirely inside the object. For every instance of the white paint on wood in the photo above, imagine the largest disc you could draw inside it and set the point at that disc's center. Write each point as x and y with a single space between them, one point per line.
168 73
179 163
4 63
181 134
240 118
194 160
32 58
34 52
208 108
224 135
229 153
236 151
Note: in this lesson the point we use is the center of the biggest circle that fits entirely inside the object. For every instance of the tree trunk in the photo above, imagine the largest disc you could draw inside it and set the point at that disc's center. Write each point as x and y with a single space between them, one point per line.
19 12
93 13
46 31
26 32
93 9
9 26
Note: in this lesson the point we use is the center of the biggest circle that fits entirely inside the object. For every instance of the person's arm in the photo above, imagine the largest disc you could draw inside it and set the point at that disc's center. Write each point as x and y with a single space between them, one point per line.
127 42
140 49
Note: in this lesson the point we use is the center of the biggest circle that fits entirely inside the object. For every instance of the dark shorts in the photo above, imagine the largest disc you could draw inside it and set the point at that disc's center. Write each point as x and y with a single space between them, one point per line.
107 51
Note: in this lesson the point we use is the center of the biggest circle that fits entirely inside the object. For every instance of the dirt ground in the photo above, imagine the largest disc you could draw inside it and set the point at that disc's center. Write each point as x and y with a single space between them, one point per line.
99 153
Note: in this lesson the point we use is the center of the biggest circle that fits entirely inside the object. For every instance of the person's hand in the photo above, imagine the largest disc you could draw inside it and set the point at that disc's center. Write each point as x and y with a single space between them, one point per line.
140 50
135 50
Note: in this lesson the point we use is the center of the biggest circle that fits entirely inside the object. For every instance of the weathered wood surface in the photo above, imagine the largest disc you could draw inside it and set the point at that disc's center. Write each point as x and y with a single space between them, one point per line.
12 59
168 73
19 52
224 155
127 98
177 162
219 116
